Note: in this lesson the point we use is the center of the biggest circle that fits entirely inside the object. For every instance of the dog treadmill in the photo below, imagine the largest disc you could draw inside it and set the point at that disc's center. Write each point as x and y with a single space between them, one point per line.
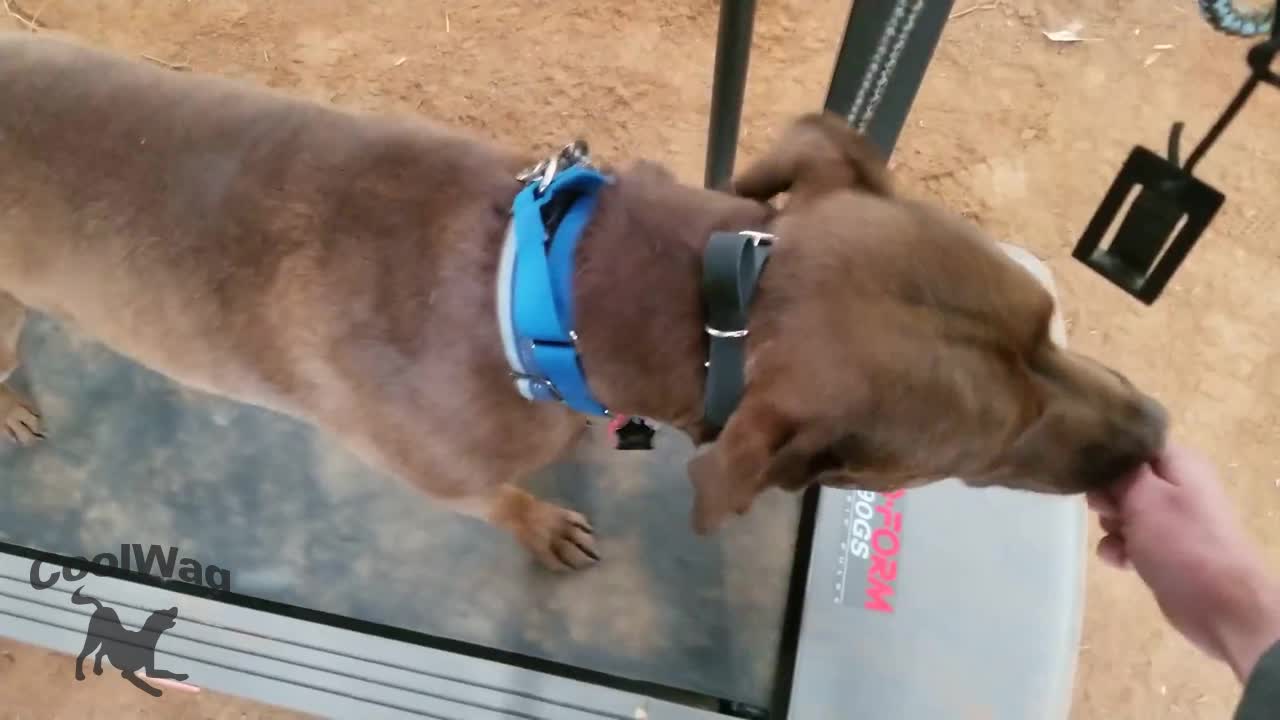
352 596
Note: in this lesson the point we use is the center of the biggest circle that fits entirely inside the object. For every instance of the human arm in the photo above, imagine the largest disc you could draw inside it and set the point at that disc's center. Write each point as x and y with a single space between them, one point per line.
1173 523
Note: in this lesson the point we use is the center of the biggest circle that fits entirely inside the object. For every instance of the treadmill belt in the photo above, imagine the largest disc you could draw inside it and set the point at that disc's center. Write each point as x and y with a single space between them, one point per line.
131 457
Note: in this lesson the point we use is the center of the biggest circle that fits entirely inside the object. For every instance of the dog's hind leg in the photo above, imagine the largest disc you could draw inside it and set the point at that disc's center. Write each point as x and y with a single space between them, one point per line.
91 643
97 663
18 418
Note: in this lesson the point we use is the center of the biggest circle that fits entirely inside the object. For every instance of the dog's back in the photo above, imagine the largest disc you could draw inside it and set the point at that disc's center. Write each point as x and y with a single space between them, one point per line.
125 192
222 234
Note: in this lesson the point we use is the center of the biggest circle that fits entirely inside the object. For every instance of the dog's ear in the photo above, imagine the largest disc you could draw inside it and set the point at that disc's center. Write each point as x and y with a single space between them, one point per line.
818 153
759 448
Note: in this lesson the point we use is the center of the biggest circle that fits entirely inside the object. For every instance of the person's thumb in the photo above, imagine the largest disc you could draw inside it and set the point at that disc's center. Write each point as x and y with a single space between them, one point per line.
1180 465
1140 489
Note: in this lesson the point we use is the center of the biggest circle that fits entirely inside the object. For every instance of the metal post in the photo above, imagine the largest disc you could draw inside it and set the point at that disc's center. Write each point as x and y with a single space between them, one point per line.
867 26
733 50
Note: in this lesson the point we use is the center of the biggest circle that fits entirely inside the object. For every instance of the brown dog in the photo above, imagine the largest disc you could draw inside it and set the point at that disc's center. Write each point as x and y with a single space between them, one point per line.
340 268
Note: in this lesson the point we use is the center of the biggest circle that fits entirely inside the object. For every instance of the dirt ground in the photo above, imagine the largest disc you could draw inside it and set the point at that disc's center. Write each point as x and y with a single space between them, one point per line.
1019 133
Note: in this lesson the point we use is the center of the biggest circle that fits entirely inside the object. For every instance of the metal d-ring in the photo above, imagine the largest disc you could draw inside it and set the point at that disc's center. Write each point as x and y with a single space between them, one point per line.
553 165
713 332
758 238
575 153
538 381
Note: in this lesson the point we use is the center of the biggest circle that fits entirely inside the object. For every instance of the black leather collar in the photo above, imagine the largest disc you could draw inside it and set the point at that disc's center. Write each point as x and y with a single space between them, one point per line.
731 267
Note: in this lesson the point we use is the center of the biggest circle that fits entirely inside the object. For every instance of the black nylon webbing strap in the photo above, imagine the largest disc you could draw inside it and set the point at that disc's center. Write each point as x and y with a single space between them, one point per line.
731 265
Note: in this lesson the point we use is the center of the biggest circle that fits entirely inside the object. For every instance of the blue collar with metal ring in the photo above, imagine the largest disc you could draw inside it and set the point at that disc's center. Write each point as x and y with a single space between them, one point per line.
535 291
535 282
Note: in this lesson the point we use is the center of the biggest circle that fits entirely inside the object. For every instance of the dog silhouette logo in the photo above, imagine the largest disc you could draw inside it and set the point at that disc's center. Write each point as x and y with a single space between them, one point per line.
128 650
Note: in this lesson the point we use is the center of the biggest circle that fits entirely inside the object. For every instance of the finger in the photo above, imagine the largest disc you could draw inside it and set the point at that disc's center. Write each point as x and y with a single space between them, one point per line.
1101 502
1137 489
1111 551
1111 524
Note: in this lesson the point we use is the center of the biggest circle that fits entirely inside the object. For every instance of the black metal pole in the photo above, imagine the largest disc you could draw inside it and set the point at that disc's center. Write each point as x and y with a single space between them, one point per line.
733 51
868 23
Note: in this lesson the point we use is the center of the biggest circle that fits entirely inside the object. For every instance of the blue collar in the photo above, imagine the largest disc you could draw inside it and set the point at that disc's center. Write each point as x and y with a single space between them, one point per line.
535 291
535 282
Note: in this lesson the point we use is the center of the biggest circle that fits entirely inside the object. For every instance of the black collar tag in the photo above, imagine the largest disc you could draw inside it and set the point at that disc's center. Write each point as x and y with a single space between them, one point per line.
634 434
731 267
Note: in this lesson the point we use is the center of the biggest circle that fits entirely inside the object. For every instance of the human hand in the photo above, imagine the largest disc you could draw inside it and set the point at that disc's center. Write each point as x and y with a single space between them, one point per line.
1172 522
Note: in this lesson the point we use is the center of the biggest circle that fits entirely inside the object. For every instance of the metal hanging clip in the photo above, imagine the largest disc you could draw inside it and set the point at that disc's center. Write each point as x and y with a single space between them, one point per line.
575 153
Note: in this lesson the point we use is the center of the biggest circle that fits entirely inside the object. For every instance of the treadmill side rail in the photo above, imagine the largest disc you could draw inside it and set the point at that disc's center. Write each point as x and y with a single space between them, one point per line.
306 666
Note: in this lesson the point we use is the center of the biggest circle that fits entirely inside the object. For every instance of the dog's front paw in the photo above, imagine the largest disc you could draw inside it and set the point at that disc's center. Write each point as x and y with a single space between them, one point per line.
79 674
18 419
180 677
560 539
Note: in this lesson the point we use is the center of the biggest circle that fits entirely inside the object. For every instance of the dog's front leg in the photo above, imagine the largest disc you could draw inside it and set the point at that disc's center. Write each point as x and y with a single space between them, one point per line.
559 538
478 481
165 674
18 418
138 683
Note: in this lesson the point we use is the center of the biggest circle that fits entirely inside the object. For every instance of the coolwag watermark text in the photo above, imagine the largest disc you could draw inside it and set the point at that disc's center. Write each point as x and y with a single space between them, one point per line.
132 652
155 560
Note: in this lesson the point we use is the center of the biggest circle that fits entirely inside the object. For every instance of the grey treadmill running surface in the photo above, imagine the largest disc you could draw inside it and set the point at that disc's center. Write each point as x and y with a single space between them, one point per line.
134 458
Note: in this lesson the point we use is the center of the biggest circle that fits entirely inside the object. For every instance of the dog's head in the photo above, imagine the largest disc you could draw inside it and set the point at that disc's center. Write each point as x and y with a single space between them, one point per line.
892 345
162 620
